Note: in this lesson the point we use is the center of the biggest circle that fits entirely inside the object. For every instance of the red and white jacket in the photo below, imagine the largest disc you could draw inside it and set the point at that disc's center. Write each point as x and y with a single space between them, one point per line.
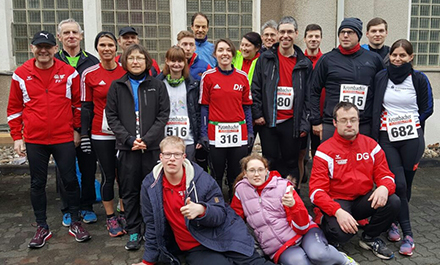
344 169
44 115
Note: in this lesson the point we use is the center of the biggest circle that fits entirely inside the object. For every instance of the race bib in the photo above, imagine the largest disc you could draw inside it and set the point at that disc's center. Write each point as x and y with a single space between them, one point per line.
104 126
178 126
284 98
356 94
401 127
228 135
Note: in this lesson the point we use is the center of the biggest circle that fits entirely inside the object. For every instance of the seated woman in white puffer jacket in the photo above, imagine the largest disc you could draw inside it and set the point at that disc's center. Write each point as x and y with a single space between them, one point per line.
276 213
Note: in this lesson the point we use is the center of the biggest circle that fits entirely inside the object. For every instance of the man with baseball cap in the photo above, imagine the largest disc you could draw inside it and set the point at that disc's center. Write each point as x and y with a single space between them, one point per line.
129 36
347 73
43 113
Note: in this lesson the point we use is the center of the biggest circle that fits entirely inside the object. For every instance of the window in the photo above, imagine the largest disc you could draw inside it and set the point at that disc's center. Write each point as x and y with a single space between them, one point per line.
227 18
150 18
31 16
425 31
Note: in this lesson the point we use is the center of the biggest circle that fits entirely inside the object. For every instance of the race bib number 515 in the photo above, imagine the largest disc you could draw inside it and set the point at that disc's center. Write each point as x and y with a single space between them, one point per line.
356 94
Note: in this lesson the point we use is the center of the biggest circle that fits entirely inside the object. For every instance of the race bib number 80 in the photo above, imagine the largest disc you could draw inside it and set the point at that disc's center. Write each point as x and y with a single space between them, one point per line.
356 94
284 98
401 127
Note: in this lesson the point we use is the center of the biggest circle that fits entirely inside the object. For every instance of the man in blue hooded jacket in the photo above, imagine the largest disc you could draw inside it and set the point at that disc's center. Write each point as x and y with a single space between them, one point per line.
185 214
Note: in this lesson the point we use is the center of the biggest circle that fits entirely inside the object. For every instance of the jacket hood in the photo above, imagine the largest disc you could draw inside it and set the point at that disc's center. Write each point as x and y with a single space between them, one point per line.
189 172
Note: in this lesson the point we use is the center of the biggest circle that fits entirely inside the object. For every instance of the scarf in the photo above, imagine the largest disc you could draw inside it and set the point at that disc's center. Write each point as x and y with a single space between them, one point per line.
351 51
174 82
398 74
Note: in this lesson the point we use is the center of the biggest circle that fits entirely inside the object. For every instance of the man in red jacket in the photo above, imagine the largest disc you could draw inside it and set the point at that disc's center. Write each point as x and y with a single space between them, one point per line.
44 109
345 170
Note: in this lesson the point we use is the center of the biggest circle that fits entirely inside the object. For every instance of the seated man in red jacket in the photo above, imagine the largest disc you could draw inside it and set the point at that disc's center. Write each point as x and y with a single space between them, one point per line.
185 213
346 168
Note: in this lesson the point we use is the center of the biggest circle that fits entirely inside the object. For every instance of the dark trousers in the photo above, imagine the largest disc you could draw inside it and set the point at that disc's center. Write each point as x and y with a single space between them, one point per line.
106 154
328 130
231 156
133 166
402 157
201 256
281 148
381 218
87 168
64 155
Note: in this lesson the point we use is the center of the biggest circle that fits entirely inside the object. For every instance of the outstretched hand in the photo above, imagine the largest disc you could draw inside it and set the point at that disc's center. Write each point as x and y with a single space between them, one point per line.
288 199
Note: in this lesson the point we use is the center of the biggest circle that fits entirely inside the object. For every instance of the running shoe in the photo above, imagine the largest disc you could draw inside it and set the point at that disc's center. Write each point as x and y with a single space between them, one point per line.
67 220
122 222
393 233
350 260
407 246
113 227
378 246
79 232
134 243
89 217
40 237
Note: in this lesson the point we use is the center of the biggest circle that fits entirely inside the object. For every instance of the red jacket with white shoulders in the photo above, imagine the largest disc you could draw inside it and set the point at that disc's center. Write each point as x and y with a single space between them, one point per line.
44 115
344 169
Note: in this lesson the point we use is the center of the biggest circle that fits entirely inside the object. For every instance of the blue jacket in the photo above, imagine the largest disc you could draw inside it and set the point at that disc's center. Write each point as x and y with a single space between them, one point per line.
204 50
197 67
192 102
220 229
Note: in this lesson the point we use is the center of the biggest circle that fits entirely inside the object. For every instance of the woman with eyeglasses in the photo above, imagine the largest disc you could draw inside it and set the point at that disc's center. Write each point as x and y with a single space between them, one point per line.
183 90
95 83
226 101
402 103
137 111
279 218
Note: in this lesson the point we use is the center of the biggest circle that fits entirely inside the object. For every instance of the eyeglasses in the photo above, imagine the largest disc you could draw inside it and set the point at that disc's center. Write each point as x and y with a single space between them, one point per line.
348 32
138 59
345 121
176 155
253 171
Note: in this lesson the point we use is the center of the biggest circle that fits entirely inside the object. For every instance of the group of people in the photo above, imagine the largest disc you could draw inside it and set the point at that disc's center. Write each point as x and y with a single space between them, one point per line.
361 109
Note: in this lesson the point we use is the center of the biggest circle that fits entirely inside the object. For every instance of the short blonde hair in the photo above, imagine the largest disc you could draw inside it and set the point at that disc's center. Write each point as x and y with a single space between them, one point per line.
174 141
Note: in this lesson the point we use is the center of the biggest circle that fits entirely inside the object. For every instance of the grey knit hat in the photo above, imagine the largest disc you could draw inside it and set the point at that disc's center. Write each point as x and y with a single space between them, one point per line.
352 23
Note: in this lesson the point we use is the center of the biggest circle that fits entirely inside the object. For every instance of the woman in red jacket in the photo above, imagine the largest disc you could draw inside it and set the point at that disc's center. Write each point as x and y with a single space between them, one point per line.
280 220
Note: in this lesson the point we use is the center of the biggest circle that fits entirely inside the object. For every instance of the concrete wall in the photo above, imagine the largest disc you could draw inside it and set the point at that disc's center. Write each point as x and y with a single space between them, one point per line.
5 82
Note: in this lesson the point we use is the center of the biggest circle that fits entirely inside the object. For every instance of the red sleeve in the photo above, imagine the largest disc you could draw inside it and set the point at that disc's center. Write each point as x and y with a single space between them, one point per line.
156 66
247 95
148 263
319 185
297 215
76 102
15 109
85 89
381 172
205 88
237 206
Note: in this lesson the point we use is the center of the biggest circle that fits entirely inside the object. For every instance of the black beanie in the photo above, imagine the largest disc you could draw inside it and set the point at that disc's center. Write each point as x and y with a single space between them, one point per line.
254 38
352 23
107 33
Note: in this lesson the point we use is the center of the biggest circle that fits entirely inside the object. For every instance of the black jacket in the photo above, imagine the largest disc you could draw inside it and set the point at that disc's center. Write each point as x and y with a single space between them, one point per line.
423 92
154 110
85 60
264 89
334 69
192 102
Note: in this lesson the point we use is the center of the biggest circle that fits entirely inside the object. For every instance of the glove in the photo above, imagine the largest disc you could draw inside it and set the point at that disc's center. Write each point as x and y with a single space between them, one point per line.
86 145
204 141
251 139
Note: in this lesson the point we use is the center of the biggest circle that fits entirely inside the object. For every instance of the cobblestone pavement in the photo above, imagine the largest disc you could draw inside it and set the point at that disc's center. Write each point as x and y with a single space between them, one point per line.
16 229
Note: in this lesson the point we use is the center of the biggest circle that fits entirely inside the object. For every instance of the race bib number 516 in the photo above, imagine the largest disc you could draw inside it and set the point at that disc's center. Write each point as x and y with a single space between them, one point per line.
356 94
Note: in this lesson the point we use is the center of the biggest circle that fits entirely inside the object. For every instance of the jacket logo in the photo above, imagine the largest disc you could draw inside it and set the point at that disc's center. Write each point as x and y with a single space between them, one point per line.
28 78
102 83
360 156
340 161
151 89
58 78
217 86
238 87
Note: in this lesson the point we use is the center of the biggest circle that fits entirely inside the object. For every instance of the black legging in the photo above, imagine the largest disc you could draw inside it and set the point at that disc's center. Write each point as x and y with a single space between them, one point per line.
106 154
403 158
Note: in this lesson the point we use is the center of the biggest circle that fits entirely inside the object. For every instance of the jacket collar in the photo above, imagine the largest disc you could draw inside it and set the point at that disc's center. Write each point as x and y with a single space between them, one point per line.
344 141
189 171
301 58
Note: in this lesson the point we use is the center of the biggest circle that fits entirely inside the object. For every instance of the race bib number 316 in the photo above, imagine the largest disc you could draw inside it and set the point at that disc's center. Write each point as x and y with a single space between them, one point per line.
356 94
228 135
284 98
401 127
